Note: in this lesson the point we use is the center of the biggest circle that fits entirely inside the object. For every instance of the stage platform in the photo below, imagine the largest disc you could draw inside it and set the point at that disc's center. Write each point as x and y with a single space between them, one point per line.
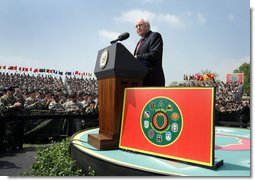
231 145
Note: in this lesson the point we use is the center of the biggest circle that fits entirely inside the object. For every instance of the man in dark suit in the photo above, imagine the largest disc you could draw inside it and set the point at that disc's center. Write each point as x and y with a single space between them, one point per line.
149 50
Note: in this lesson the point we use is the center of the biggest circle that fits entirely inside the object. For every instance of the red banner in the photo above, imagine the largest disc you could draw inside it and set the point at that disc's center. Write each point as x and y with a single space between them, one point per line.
175 123
235 77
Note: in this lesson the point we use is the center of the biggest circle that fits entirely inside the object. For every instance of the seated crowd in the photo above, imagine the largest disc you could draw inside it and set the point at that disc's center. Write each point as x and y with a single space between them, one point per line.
52 93
30 92
24 93
228 95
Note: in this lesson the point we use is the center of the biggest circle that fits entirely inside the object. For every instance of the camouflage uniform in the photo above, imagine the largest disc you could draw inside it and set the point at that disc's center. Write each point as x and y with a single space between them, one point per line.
90 108
31 103
74 107
85 104
19 97
13 130
56 106
5 103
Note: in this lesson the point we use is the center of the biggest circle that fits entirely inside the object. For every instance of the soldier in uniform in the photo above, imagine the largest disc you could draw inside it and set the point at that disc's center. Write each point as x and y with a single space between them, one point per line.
2 124
73 106
44 97
92 107
55 105
12 129
85 101
31 102
19 96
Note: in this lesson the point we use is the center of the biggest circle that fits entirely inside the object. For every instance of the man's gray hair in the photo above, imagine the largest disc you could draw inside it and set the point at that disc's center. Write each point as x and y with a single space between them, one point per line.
146 21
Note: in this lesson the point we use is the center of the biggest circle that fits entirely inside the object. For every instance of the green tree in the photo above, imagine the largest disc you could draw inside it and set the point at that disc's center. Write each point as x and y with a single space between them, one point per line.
245 69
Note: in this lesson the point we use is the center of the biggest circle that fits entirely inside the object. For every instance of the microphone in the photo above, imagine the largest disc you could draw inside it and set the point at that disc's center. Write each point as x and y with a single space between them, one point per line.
121 37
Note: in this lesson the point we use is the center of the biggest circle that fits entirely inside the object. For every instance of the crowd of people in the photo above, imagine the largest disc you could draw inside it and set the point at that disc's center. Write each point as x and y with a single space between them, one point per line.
228 95
52 93
30 92
24 94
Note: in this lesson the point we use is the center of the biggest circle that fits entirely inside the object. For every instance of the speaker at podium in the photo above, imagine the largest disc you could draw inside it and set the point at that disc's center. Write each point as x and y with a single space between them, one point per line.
115 69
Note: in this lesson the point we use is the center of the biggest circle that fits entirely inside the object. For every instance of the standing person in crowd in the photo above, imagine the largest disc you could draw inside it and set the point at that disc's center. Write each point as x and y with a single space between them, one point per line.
239 92
55 105
31 102
8 102
149 50
12 130
56 108
45 98
75 107
19 96
91 107
86 100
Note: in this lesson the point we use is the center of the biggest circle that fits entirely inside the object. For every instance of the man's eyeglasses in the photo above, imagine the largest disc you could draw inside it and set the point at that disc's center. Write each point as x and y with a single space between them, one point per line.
139 25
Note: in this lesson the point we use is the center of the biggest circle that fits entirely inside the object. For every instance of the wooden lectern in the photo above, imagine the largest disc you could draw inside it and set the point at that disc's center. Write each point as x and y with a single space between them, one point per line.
116 69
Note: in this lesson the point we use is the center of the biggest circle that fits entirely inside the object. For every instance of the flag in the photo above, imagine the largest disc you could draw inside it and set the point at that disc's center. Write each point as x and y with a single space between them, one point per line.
10 68
49 71
25 69
41 70
175 123
68 73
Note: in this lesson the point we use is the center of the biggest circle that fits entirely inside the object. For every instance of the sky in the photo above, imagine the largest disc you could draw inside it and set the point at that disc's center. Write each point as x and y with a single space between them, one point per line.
67 34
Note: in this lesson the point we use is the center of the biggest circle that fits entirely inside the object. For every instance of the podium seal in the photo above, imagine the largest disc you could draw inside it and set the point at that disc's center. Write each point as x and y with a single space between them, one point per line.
104 58
161 121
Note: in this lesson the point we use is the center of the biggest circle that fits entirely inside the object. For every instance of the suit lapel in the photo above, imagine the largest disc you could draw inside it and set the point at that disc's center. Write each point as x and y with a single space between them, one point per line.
144 42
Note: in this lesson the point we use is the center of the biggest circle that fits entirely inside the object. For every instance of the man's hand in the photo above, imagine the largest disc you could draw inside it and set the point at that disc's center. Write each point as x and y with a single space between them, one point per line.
17 104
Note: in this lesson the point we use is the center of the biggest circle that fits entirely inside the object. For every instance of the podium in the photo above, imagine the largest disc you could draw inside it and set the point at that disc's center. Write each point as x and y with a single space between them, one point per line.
115 69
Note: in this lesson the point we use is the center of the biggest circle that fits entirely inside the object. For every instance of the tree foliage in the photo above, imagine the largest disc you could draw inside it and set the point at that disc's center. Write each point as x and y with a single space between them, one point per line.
245 69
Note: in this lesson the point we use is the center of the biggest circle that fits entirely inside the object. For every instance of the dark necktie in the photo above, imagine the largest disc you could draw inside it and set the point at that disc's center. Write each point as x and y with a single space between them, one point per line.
138 46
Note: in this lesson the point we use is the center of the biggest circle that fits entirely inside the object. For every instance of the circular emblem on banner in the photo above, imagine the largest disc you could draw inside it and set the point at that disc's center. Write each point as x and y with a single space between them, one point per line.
161 121
104 59
234 78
